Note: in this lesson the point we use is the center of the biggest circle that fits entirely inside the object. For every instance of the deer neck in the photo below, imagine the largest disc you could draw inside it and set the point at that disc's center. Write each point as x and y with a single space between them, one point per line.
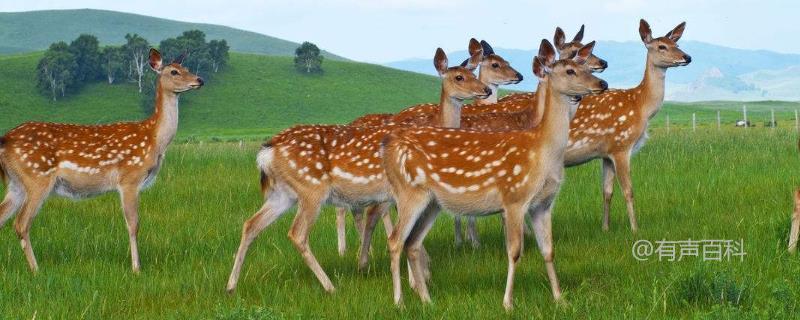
491 99
451 111
164 120
554 126
651 89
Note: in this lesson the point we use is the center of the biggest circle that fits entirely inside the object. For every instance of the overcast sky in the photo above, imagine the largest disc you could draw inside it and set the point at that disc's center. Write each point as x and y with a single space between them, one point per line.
387 30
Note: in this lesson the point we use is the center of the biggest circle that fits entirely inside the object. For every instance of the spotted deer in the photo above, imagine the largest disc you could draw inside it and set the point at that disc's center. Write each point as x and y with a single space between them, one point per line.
77 161
316 164
794 231
613 126
494 71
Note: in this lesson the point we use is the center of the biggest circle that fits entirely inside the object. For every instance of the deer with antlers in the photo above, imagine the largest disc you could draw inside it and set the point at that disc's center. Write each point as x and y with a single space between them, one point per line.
493 71
76 161
613 126
471 172
316 164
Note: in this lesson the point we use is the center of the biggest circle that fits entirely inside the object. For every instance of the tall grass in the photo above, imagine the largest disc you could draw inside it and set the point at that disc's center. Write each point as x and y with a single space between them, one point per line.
710 185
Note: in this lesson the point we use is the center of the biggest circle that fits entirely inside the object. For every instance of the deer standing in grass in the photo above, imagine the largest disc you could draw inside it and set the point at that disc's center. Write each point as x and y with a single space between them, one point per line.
493 71
312 165
470 172
78 161
613 126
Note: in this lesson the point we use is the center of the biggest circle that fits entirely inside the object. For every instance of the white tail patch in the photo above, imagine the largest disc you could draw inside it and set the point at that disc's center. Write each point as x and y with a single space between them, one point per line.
265 158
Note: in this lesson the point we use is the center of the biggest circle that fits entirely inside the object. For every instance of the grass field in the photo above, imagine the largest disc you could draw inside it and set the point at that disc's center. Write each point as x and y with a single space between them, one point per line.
729 185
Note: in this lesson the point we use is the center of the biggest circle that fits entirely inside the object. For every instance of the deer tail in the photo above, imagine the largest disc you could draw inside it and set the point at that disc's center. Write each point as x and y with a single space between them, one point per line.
264 160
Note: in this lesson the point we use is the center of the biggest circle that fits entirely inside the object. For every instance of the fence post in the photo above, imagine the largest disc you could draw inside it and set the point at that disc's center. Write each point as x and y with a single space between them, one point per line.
694 122
241 143
719 122
772 124
796 121
744 112
667 123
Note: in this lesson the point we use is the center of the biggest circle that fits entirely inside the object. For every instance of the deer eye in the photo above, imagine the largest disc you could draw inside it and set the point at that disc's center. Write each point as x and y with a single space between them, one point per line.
662 47
571 72
174 72
495 65
459 78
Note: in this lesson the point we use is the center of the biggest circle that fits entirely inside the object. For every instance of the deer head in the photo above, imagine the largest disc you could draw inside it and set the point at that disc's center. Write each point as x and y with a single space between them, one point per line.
494 69
568 50
663 51
459 82
572 76
174 77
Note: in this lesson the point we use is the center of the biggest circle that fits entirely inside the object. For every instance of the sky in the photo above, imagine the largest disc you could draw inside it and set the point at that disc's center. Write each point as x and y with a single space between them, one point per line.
381 31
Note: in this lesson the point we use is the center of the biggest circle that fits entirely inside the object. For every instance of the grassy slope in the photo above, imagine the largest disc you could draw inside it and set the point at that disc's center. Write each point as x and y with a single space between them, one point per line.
258 95
36 30
711 186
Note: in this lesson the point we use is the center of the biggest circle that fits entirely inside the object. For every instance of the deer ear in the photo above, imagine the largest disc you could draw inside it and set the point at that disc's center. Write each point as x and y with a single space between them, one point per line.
547 53
179 59
155 60
487 49
644 31
539 69
440 61
584 53
474 46
474 60
676 33
579 36
559 37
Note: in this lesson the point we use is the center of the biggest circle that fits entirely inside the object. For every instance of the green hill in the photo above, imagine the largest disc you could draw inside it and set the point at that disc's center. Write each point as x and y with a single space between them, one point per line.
256 96
36 30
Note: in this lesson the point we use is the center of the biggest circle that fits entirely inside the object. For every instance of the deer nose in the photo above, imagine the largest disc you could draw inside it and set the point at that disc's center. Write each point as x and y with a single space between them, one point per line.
487 91
603 63
200 81
688 58
603 84
519 76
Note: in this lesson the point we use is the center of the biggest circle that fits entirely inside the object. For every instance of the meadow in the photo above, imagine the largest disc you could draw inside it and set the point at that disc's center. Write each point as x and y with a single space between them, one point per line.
734 185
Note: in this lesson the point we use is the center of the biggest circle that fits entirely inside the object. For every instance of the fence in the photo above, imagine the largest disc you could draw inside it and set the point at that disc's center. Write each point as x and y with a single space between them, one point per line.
722 118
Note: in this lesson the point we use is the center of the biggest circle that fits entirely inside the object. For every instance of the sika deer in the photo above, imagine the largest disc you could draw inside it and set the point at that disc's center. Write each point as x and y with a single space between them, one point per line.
82 161
314 165
473 173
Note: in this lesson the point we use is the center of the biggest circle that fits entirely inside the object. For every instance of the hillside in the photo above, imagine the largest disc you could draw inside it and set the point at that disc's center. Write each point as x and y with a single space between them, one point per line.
716 72
36 30
258 95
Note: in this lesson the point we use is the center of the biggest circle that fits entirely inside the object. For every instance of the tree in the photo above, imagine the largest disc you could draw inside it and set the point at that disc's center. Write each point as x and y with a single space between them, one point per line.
218 52
55 71
307 58
137 51
86 50
112 61
193 44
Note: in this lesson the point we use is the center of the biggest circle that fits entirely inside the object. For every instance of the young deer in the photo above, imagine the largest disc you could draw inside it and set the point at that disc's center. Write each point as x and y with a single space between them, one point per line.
314 165
494 71
612 126
473 173
81 161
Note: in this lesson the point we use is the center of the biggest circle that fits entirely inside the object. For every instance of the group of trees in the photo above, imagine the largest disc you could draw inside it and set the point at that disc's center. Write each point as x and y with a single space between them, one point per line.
65 68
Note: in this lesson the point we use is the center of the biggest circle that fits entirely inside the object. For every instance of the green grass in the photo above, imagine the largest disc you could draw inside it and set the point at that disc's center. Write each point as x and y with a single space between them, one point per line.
36 30
255 97
728 185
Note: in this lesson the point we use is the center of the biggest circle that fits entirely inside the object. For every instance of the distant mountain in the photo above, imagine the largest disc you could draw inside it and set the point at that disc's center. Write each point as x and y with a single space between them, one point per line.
36 30
716 72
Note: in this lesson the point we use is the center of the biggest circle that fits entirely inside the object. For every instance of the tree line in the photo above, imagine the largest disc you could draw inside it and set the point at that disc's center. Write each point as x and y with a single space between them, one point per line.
65 68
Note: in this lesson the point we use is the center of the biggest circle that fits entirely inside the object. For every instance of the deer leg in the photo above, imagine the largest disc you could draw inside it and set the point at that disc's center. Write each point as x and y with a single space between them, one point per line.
307 213
514 218
623 169
129 196
374 213
608 190
409 209
341 213
458 232
22 224
359 220
542 223
472 232
11 203
387 223
793 233
276 205
415 251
